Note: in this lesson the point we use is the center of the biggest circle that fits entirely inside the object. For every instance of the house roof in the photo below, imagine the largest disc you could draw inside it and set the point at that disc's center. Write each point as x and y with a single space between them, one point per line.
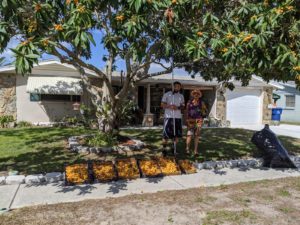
50 67
54 85
55 67
291 84
188 80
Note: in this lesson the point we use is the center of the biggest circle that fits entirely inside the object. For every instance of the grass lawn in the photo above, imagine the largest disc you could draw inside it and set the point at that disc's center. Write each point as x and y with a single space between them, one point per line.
261 202
291 123
36 150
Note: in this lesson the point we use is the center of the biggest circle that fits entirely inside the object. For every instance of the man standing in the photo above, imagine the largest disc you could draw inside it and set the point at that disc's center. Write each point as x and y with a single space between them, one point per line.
172 102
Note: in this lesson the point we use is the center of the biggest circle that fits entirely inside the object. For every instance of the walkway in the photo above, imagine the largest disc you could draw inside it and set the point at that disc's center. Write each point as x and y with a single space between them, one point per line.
283 129
16 196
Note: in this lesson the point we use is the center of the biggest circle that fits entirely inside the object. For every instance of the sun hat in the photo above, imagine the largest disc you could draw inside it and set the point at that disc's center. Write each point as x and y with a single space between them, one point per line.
196 91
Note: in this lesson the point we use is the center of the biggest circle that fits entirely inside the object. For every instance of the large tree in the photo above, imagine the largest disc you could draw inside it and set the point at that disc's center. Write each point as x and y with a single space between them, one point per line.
220 39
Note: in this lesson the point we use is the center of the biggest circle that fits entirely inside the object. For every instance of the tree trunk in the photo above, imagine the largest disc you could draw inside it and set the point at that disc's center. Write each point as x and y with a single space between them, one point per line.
107 111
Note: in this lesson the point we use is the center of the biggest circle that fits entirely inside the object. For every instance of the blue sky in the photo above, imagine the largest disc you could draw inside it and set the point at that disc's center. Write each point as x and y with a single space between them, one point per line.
97 54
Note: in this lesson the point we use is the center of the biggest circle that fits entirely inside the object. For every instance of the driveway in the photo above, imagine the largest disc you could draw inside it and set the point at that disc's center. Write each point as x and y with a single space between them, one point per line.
283 129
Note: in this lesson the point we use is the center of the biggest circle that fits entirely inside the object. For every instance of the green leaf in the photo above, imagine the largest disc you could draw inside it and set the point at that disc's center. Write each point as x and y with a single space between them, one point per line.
32 56
91 38
4 3
284 57
260 64
16 52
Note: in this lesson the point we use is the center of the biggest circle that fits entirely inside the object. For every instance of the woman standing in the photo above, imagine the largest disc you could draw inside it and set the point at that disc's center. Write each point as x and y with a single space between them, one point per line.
196 111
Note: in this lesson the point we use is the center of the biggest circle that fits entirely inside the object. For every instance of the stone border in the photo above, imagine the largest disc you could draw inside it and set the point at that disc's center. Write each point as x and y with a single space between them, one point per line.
76 147
238 163
54 177
34 179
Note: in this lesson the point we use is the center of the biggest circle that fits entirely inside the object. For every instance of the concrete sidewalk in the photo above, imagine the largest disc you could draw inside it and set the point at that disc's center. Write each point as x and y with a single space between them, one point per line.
282 129
26 195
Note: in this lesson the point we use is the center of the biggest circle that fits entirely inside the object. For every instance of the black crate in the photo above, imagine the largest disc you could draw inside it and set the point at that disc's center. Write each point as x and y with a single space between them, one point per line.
95 179
127 178
88 181
150 176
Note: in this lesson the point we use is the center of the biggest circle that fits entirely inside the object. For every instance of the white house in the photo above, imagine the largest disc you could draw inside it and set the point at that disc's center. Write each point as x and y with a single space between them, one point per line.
48 93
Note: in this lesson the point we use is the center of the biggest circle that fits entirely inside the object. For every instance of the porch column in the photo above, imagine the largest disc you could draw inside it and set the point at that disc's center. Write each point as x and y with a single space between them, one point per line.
148 99
148 117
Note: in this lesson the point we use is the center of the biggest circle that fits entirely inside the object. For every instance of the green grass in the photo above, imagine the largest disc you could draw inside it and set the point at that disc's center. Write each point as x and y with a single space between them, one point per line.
284 193
217 143
43 149
286 209
290 123
232 217
36 150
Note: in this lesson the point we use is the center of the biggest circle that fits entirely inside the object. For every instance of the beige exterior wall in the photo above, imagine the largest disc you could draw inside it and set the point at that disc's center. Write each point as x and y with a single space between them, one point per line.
221 105
39 112
267 100
8 95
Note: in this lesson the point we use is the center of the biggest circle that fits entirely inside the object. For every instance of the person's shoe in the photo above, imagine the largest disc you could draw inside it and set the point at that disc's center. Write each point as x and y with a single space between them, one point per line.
187 151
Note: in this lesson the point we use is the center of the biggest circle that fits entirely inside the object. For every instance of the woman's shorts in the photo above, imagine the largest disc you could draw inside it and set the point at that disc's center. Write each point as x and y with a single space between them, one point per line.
168 132
193 127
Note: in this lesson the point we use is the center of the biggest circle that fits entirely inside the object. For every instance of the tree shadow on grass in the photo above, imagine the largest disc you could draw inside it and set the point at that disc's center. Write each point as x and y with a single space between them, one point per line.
39 149
43 161
46 151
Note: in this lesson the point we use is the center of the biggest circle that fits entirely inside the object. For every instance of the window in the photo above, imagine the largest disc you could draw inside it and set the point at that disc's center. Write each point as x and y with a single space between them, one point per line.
35 97
290 101
47 97
56 98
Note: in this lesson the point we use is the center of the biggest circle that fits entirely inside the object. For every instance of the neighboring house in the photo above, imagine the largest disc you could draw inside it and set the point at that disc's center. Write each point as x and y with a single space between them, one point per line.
48 94
289 101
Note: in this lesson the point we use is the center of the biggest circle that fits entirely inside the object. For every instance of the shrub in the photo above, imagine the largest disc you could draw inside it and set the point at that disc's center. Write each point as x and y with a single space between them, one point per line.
70 121
127 112
88 115
102 140
24 124
5 120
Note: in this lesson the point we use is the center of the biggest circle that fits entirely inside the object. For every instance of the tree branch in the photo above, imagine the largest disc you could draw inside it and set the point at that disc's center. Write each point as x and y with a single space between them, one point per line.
80 62
100 74
156 74
93 90
161 64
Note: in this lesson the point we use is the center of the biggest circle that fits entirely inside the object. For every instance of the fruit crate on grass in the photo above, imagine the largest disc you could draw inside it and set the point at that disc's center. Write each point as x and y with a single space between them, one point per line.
127 169
187 166
77 174
168 166
104 171
149 168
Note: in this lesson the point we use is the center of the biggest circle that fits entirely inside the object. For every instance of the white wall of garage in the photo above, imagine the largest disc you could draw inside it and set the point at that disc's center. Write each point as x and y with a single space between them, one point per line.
244 106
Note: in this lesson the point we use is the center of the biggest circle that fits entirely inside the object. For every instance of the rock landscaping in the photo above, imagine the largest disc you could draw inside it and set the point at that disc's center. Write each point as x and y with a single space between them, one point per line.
32 179
130 145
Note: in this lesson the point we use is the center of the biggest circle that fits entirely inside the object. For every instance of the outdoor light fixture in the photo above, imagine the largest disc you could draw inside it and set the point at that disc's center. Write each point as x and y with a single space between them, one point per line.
76 106
149 119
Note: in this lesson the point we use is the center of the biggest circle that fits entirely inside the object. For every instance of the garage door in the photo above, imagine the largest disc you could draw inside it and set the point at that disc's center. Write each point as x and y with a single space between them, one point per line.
244 106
